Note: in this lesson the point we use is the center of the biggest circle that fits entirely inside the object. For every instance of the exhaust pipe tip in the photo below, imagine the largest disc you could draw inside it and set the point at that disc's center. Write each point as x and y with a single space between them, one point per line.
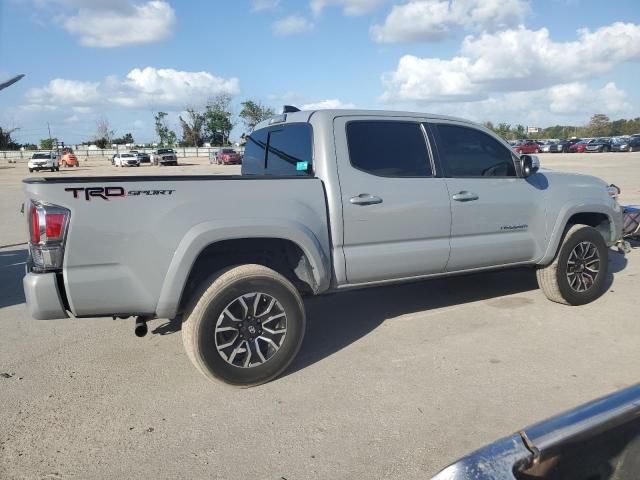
141 328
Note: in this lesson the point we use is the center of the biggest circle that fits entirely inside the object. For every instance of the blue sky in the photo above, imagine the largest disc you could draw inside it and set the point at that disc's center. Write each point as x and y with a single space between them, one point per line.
537 63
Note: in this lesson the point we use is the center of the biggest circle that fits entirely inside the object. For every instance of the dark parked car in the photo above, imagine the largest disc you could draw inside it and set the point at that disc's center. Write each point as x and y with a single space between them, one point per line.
602 144
629 144
143 157
563 146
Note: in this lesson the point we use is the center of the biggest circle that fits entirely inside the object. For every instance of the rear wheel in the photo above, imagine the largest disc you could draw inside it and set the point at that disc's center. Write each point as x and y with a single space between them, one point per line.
31 170
246 326
577 275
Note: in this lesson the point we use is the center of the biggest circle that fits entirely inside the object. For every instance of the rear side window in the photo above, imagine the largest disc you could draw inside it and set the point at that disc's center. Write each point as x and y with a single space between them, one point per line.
388 148
467 152
283 150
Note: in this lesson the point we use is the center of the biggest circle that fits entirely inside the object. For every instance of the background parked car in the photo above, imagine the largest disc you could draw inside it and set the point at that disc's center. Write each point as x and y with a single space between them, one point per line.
580 146
602 144
126 160
562 146
228 156
527 147
44 161
142 156
165 156
544 146
634 143
620 144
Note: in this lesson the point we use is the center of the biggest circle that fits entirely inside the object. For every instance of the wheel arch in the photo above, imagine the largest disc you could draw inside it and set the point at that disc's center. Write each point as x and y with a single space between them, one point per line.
287 247
596 216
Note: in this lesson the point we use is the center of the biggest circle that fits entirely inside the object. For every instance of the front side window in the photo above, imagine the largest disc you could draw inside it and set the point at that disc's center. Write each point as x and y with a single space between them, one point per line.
388 148
467 152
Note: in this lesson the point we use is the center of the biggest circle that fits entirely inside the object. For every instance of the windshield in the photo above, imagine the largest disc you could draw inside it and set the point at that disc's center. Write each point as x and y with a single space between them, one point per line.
41 155
228 150
127 155
165 150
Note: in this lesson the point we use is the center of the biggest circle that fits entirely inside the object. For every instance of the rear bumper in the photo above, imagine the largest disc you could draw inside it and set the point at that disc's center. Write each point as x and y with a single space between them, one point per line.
43 297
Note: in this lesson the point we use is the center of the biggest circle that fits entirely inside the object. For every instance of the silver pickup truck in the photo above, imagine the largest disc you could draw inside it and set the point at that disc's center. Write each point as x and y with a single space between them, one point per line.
327 200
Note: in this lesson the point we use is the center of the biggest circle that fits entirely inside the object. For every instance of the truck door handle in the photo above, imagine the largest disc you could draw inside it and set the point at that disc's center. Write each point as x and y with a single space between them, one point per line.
365 199
465 196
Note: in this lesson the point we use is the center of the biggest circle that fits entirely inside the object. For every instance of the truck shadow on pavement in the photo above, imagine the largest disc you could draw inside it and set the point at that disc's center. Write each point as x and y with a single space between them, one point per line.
335 321
11 273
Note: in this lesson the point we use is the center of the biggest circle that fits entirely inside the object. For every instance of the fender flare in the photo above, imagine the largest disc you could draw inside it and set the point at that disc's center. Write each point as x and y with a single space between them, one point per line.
205 234
565 213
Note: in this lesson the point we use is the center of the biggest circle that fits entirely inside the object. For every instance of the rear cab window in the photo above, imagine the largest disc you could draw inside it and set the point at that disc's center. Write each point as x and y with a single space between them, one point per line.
388 148
281 150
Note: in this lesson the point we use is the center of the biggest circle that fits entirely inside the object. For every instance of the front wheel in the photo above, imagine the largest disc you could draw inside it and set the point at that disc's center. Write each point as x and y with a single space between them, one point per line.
577 275
246 326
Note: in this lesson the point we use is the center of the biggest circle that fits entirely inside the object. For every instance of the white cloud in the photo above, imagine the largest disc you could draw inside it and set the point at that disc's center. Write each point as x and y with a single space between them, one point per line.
113 23
63 91
350 7
432 20
511 60
571 103
579 98
261 5
326 104
291 25
141 88
72 119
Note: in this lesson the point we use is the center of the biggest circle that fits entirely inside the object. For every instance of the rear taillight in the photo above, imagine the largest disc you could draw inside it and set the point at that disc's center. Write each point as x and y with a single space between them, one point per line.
47 232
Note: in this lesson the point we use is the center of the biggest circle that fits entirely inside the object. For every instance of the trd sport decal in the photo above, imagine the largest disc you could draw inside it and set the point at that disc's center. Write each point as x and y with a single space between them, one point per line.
107 193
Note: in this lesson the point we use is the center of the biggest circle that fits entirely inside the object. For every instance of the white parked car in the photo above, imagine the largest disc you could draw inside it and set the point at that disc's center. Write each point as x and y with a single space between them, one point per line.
126 160
44 161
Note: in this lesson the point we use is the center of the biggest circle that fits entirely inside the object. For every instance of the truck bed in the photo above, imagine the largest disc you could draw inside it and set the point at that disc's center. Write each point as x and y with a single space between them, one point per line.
132 240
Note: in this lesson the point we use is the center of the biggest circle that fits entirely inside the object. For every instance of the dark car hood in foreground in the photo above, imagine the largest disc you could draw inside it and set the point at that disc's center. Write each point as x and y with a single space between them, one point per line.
598 440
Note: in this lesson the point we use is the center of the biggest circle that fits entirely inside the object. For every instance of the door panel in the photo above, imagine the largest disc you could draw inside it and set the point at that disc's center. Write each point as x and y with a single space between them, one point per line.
404 235
497 217
506 224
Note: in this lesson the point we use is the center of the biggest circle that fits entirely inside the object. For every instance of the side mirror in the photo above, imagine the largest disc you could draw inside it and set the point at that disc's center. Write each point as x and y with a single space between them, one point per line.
529 164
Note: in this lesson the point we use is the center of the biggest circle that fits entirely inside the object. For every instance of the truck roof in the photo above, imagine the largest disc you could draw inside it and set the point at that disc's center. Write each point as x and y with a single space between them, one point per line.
305 115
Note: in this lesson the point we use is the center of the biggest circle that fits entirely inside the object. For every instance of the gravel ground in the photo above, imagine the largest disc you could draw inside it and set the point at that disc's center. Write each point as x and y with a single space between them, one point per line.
391 382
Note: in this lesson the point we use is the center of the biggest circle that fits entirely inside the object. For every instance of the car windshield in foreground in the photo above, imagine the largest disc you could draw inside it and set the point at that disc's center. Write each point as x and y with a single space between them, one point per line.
41 155
165 150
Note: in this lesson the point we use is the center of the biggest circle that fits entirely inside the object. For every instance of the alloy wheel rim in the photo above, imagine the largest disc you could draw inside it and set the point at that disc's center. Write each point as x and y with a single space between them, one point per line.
250 330
583 266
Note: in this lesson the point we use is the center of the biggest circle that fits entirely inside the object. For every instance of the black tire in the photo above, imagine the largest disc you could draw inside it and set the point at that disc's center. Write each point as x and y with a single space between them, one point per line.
605 149
630 148
217 294
554 278
31 170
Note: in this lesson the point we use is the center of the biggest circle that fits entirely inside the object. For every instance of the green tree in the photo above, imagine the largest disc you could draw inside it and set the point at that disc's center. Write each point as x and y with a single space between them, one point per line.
48 143
504 130
599 125
192 128
127 138
166 136
253 113
218 123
